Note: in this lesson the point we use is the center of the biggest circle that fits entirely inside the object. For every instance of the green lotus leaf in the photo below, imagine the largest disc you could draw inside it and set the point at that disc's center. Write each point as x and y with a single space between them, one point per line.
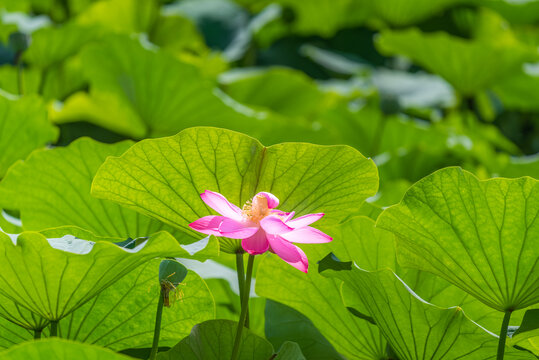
62 80
53 277
53 45
518 92
9 224
318 17
481 236
123 315
12 334
402 12
55 70
213 340
164 178
59 349
362 130
124 99
469 65
319 298
372 248
123 16
519 12
9 80
286 91
24 127
20 317
165 30
416 329
51 188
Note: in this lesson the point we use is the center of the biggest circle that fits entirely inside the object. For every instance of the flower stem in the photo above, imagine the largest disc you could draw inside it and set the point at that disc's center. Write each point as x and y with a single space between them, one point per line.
157 330
244 303
54 328
37 334
503 335
241 283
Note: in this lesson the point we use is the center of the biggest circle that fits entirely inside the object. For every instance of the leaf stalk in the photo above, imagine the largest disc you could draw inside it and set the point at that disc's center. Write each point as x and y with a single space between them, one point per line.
54 328
244 307
503 335
241 283
157 329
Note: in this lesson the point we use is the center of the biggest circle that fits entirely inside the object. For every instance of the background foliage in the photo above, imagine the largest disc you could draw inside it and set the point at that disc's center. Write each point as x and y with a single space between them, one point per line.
415 86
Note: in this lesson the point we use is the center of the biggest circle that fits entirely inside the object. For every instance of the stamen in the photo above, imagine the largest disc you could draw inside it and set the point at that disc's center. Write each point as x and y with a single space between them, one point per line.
256 209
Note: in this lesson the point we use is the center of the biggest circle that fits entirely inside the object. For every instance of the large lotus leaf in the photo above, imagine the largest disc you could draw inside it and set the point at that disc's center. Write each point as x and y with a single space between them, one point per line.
140 92
319 298
519 92
59 349
123 315
53 282
482 236
125 16
51 188
23 128
469 65
373 133
286 91
517 12
12 334
402 12
414 328
318 17
63 80
213 340
9 79
372 248
165 177
20 317
165 35
53 45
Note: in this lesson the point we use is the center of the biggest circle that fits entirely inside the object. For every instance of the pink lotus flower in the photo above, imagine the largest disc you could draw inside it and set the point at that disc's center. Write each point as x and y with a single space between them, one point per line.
261 227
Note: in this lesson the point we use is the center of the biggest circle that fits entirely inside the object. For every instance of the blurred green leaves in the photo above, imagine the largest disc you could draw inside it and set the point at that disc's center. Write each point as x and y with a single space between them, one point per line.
469 65
25 127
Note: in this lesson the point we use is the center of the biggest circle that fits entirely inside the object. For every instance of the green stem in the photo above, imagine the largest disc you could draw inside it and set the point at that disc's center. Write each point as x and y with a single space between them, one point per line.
54 328
503 335
241 283
244 303
19 77
157 330
67 10
43 79
37 334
